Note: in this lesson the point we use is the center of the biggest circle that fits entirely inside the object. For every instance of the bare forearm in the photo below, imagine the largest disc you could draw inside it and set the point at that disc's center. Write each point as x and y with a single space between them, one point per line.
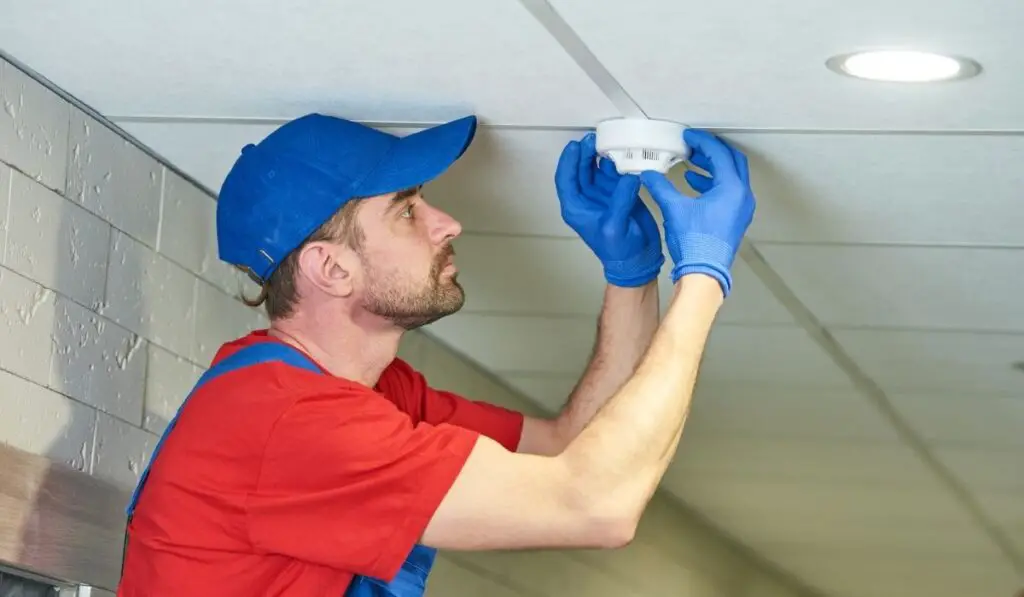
627 323
624 451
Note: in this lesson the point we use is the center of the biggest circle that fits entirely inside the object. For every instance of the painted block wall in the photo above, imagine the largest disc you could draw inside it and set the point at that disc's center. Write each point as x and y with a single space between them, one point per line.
112 303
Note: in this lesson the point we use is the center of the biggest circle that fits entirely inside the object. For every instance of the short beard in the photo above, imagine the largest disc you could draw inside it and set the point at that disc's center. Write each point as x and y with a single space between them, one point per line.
411 308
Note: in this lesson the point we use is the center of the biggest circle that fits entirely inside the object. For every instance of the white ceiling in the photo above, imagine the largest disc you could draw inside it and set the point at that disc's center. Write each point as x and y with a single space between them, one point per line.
890 465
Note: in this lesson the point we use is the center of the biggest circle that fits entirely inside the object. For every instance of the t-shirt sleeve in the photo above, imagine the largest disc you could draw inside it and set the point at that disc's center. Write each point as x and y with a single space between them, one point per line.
348 481
500 424
410 389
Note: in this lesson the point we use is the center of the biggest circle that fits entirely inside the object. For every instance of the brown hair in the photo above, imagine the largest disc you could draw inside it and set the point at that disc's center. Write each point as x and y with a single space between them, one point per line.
279 292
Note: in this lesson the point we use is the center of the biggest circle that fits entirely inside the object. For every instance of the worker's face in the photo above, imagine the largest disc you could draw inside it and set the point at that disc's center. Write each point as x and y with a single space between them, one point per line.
407 258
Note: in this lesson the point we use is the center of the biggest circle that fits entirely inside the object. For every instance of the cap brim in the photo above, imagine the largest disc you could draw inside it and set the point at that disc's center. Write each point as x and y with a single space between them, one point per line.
420 157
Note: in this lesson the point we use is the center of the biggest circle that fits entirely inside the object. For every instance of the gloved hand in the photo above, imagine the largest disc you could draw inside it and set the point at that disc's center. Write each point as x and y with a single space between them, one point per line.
605 209
704 234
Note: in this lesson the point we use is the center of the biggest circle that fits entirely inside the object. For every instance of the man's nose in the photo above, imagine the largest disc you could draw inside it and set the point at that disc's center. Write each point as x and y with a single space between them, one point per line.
443 227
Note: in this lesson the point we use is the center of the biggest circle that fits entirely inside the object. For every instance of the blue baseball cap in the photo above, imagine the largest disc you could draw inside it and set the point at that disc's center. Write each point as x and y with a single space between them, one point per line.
282 189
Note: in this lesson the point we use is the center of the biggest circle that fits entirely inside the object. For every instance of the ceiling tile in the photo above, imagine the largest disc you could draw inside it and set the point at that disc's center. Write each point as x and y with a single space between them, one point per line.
505 183
520 344
691 68
969 365
561 276
551 392
909 287
965 419
1016 535
986 468
519 275
1003 506
529 345
701 457
378 61
854 502
759 411
885 188
767 411
777 355
819 528
750 301
862 572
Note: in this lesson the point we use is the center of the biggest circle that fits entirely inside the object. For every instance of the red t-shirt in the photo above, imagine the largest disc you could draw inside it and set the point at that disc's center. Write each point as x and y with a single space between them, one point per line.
280 481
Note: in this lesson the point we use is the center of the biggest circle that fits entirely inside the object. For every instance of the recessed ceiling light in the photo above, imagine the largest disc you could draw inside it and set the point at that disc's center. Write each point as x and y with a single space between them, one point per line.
903 66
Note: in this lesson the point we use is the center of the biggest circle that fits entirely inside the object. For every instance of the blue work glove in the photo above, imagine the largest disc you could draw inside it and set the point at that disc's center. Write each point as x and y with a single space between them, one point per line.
605 209
704 234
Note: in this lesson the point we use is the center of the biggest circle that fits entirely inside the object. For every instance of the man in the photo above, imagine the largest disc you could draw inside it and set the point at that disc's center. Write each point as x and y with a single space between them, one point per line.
310 461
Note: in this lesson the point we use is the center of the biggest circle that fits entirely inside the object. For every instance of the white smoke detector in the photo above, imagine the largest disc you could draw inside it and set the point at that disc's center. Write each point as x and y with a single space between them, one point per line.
635 145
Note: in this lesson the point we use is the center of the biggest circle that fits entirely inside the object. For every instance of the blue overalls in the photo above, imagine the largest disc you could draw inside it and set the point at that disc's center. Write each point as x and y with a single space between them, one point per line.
411 580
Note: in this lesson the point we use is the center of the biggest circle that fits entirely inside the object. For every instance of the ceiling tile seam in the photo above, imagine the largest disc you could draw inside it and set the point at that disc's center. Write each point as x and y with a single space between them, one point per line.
566 37
877 396
577 49
418 124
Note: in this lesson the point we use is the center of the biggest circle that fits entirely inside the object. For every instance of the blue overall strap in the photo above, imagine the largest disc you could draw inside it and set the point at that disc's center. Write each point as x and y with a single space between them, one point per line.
250 355
411 580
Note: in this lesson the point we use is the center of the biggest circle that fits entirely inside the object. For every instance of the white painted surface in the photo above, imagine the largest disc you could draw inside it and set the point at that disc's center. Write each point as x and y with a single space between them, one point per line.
967 364
150 295
169 380
33 128
41 421
218 319
734 63
452 57
948 288
98 362
27 313
112 179
56 242
5 202
122 451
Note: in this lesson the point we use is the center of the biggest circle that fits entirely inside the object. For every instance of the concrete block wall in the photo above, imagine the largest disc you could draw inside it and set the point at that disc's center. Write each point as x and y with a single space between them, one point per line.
112 302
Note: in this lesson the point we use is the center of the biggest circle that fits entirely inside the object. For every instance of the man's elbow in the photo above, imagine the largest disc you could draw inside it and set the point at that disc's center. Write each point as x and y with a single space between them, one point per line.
610 525
614 534
605 513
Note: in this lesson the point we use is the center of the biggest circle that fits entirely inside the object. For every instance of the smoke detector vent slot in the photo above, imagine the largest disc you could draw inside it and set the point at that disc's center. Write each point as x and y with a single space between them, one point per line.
636 145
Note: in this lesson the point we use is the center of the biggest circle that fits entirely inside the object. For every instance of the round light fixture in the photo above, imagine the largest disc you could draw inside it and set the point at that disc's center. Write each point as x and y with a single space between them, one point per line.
903 66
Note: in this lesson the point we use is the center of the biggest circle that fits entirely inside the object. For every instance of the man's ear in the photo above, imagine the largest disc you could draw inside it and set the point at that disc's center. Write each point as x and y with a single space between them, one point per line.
331 267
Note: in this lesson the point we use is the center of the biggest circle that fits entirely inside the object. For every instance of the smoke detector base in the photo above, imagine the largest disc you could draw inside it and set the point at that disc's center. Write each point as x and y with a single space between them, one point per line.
637 145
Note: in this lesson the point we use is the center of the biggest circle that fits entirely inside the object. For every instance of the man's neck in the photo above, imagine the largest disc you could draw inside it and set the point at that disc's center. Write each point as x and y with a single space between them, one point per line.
344 350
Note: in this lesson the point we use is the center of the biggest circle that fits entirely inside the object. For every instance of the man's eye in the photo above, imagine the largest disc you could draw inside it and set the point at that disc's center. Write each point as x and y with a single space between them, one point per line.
407 212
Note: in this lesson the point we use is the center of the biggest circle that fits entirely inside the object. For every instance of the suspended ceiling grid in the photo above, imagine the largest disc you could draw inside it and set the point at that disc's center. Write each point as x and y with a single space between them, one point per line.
877 455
